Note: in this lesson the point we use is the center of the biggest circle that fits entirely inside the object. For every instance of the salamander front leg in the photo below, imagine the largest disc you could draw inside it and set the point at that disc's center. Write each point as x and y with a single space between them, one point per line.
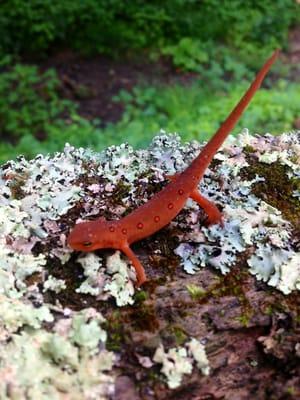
140 272
213 213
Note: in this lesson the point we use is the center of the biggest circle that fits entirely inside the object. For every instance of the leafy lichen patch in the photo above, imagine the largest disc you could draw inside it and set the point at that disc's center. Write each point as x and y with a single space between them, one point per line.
177 362
248 220
51 189
67 360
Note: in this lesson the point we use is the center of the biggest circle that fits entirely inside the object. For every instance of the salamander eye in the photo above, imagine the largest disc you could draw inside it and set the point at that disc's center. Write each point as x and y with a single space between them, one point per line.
87 244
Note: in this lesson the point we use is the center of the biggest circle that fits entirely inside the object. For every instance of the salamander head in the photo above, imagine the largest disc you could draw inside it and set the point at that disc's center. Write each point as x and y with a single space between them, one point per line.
92 235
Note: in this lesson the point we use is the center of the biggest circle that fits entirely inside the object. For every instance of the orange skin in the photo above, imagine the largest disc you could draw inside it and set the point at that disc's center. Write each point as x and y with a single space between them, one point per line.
164 206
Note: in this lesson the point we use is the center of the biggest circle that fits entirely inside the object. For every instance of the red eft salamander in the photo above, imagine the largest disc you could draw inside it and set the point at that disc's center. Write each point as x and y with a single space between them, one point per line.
167 203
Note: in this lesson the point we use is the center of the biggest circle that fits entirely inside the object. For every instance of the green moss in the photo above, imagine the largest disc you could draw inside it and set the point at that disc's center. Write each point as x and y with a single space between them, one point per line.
231 284
179 334
244 319
121 190
196 292
269 310
140 297
143 317
161 247
277 189
249 149
114 328
73 278
291 391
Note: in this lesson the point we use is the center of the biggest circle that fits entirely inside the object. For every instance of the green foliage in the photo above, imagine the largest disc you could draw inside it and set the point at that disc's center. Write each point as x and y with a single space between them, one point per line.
112 25
188 54
29 101
214 62
194 112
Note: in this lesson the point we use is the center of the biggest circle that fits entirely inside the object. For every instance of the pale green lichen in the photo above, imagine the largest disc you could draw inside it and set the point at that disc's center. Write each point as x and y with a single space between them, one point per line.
177 362
288 276
266 261
68 362
248 221
94 273
41 365
121 286
115 280
54 284
15 268
15 314
12 220
86 329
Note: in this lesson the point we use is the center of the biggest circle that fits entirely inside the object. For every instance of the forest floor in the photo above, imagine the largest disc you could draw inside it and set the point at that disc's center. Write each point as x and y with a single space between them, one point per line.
92 82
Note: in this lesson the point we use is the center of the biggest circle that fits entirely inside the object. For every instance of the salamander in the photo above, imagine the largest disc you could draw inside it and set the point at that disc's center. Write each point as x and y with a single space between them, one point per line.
166 204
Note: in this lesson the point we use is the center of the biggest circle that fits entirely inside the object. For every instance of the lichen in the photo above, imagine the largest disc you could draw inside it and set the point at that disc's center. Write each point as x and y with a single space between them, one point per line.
94 273
51 187
54 284
16 314
35 363
41 199
248 220
121 286
86 329
177 362
197 350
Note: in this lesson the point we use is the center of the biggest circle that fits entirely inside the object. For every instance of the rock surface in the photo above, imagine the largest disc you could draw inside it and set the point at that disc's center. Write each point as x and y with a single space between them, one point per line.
232 292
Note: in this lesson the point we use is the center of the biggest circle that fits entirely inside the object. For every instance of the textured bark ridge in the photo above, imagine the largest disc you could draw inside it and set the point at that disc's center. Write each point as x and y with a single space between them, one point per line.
219 316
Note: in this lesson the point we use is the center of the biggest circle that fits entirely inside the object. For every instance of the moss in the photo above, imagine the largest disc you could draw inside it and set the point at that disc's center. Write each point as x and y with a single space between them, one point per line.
73 277
249 149
277 189
232 284
178 334
269 310
140 297
291 391
162 258
143 317
290 303
16 186
151 187
244 319
287 304
120 191
114 328
196 292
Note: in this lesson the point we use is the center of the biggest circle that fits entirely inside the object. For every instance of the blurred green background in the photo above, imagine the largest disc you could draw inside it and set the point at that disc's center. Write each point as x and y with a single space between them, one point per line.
101 72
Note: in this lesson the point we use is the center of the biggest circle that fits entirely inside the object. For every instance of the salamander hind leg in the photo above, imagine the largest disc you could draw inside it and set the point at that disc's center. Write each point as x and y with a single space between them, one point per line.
139 269
214 216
